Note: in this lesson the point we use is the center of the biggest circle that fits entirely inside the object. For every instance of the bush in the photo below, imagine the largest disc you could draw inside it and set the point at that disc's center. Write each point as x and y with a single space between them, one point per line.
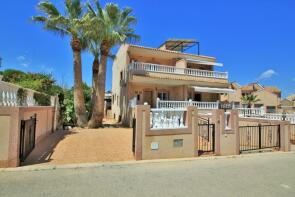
42 99
21 96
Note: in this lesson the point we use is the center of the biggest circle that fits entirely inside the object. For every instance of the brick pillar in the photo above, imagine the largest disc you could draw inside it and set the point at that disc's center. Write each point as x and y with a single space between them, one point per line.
226 138
142 114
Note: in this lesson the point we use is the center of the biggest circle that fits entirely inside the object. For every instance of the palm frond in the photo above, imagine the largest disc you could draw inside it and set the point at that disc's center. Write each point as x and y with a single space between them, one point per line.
48 8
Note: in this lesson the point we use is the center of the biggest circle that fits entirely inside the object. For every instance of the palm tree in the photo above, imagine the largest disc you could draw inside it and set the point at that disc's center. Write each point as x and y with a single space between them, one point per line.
109 27
249 99
68 24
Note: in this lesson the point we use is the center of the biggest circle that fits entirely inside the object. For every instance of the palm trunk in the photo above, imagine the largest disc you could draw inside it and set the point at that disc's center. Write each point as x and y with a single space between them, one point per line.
79 102
102 80
94 120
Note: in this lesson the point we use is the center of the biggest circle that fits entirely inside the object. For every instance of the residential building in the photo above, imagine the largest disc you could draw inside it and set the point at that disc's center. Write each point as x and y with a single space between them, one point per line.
269 96
287 105
146 75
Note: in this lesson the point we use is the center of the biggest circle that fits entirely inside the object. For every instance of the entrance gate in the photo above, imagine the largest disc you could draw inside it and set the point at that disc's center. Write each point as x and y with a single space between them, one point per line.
206 138
27 137
259 137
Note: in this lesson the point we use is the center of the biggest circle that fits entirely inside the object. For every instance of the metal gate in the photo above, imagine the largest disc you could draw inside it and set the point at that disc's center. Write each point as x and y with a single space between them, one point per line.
133 134
259 137
292 133
206 138
27 137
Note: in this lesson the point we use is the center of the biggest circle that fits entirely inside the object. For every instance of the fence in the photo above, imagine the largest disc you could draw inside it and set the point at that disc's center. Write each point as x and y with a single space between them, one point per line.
259 137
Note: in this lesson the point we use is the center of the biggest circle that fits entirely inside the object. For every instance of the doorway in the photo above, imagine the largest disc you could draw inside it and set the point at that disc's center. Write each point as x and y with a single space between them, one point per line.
148 97
198 97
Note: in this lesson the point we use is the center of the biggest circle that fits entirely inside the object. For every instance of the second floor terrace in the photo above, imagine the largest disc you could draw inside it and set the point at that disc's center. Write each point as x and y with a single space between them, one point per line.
176 72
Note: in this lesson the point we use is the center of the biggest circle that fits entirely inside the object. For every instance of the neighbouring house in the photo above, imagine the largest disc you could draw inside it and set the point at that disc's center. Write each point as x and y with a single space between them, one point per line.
165 76
269 96
287 105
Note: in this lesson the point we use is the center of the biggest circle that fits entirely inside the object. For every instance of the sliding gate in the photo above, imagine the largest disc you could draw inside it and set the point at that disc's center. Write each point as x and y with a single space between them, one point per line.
27 137
259 137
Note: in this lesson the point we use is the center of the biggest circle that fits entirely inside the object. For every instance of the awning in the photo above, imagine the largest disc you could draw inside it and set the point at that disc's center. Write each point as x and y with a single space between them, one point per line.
213 90
204 62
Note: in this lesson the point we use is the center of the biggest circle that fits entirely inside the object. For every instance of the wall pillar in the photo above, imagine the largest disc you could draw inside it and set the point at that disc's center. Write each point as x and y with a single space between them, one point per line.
285 144
226 136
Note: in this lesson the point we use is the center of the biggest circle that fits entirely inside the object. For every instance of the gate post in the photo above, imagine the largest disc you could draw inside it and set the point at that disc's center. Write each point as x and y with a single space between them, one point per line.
227 140
284 138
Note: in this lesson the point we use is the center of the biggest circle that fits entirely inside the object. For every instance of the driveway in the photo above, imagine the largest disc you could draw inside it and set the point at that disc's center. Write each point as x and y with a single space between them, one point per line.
266 174
83 146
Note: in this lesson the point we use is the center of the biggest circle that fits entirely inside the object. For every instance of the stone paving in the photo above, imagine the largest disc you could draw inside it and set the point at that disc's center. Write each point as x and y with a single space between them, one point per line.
83 146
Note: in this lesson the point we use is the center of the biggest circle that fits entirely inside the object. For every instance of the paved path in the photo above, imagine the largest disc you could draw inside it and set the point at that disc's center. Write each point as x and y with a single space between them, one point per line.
83 146
267 174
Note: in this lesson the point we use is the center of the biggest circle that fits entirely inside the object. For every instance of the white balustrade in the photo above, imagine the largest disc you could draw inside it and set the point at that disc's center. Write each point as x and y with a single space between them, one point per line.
185 104
167 118
174 70
8 96
250 112
287 117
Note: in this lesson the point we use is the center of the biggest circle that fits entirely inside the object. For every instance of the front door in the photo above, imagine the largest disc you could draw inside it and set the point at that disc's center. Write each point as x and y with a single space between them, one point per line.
197 97
148 97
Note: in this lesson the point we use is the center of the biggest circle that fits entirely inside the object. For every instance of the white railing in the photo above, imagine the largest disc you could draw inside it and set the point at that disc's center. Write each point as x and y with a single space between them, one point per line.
174 70
167 118
287 117
251 112
8 96
185 104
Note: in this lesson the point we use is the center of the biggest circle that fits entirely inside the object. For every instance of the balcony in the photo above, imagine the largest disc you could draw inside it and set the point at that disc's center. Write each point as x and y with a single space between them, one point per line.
138 67
185 104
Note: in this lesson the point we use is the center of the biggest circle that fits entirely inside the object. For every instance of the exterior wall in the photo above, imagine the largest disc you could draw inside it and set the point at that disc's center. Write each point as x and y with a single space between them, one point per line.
120 87
164 137
10 119
267 98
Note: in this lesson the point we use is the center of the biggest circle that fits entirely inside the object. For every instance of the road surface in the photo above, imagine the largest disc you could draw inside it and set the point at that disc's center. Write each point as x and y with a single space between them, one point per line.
268 174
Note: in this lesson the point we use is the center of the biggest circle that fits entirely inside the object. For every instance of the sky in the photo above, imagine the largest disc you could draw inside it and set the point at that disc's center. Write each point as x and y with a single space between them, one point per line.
255 40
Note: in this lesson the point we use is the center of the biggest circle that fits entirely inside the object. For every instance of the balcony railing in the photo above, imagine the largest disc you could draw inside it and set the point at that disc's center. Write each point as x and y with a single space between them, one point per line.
174 70
185 104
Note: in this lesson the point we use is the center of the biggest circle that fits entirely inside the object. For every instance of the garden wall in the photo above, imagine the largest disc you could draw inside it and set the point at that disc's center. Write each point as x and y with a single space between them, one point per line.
10 124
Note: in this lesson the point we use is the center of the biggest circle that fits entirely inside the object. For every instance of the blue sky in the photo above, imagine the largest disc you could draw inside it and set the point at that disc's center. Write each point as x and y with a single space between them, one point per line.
254 39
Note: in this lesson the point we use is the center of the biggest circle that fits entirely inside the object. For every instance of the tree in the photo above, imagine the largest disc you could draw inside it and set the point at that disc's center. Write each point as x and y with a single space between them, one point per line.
68 24
250 99
109 27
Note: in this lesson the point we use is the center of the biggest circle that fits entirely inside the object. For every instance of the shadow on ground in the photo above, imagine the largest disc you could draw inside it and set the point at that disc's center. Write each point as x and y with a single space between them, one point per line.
44 149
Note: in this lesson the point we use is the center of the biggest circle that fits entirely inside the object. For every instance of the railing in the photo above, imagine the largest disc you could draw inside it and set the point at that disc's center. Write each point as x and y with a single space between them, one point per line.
167 118
286 117
174 70
251 112
8 96
185 104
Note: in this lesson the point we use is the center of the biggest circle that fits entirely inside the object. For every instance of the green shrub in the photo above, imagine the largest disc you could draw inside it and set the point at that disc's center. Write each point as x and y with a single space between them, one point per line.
21 96
42 99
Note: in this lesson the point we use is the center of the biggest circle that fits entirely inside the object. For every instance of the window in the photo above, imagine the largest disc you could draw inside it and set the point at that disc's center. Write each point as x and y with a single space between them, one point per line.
138 97
121 75
163 96
270 109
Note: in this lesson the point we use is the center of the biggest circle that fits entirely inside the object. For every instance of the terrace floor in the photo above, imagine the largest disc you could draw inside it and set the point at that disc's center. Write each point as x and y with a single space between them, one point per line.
83 146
